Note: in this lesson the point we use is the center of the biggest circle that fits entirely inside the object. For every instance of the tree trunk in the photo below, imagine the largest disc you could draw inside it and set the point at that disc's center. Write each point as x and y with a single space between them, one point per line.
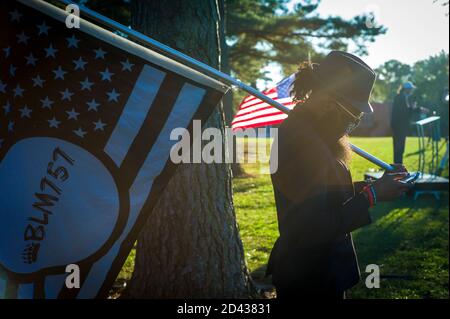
225 64
236 168
190 246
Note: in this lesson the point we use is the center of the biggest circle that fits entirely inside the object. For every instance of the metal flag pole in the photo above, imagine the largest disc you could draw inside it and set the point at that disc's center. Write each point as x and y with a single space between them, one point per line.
201 67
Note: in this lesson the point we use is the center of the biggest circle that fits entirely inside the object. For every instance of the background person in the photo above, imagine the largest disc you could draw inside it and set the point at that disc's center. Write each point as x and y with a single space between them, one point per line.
443 113
402 114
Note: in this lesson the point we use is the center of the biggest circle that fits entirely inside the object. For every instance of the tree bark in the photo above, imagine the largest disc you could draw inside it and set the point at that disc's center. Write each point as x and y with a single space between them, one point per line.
190 246
225 63
236 168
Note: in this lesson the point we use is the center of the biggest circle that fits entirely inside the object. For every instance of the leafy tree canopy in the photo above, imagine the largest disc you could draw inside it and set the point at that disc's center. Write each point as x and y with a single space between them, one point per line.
430 76
263 31
260 32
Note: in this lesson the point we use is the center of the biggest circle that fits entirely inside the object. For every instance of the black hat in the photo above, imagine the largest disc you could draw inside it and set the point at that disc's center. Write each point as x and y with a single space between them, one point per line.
348 79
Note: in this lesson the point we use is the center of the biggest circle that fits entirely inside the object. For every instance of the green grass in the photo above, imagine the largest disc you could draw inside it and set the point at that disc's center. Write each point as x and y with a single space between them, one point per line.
407 239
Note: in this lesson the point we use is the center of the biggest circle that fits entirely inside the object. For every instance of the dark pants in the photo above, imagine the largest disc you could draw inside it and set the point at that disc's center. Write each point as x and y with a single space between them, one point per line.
399 146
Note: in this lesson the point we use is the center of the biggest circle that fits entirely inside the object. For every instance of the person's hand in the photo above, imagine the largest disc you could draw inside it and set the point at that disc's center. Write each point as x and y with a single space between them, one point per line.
397 169
389 186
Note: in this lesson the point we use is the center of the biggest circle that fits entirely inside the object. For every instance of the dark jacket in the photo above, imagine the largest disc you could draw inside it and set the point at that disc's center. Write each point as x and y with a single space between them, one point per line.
402 114
317 209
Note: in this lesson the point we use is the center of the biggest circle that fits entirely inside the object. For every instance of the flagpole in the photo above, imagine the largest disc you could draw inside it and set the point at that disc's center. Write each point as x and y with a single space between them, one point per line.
202 67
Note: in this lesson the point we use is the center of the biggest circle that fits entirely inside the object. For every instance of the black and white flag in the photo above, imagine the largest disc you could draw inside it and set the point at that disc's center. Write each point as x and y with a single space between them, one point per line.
85 123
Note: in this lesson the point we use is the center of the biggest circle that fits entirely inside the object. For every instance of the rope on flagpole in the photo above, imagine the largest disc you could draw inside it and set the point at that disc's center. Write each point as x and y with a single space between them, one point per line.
201 67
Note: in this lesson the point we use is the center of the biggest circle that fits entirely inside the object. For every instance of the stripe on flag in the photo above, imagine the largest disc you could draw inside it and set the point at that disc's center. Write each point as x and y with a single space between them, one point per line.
139 102
253 112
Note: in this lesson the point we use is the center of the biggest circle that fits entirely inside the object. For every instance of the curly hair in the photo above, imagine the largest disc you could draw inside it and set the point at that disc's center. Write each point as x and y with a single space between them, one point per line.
305 82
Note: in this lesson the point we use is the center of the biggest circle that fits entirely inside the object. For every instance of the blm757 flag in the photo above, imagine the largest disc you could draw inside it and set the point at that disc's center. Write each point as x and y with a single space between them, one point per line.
85 122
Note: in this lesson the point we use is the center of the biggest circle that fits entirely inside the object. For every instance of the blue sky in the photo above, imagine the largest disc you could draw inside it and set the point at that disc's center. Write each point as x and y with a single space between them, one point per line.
416 29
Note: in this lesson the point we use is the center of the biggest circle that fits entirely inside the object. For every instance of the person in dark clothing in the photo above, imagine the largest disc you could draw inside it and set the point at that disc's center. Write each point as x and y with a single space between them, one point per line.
443 113
402 113
318 205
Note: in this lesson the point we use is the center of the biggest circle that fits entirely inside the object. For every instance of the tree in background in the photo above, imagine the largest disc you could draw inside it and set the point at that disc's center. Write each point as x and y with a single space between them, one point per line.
390 76
431 78
264 31
261 32
190 246
429 75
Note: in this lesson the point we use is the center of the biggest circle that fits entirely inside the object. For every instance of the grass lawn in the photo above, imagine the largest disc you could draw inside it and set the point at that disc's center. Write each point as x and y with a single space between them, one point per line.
408 239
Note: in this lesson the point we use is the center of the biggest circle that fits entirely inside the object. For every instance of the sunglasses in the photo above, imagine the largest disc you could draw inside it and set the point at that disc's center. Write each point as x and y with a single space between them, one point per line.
356 119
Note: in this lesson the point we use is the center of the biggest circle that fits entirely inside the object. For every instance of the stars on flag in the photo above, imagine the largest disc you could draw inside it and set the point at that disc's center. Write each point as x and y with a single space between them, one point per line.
15 16
7 51
79 64
12 70
7 108
113 96
126 65
99 54
43 28
25 112
93 105
99 125
66 95
53 123
51 98
18 91
80 132
22 38
10 126
106 75
31 59
47 103
86 84
72 114
37 81
72 42
50 51
2 87
59 73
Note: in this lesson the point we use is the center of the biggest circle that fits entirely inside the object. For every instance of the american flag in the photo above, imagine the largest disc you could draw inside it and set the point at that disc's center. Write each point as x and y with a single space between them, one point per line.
85 123
254 112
